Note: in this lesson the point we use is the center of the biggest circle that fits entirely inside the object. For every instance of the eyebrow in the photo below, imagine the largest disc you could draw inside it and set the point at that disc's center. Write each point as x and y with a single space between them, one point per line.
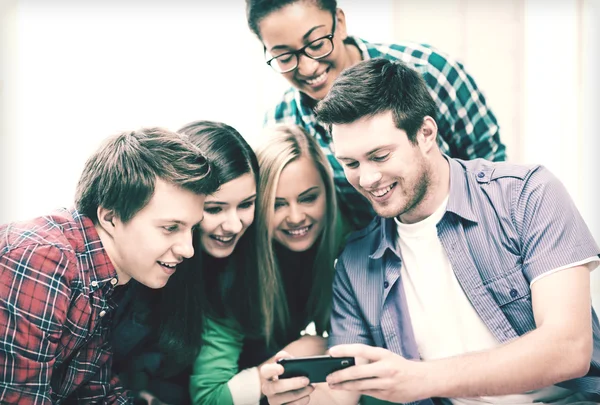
178 222
224 203
304 37
302 193
369 153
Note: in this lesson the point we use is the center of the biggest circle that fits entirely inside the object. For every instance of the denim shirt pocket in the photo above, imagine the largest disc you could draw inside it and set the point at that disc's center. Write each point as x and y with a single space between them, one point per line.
512 293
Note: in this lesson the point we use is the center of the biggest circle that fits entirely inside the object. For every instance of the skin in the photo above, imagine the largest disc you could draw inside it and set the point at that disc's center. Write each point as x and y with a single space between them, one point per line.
227 215
560 301
149 246
295 25
399 178
300 206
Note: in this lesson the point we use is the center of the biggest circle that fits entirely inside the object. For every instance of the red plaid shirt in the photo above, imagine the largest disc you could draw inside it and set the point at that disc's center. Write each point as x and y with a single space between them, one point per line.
56 283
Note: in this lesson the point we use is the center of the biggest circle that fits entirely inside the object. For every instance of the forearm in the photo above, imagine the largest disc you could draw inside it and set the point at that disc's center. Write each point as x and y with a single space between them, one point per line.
533 361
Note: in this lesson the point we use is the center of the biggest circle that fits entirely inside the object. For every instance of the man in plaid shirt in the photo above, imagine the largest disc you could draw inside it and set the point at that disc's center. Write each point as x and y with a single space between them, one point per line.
307 42
138 199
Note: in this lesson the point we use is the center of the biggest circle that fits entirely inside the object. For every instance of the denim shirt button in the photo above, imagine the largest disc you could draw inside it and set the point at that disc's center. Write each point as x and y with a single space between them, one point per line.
386 284
481 175
514 293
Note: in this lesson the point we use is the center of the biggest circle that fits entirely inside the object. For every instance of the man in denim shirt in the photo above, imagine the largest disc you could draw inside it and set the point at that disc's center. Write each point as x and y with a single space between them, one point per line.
473 282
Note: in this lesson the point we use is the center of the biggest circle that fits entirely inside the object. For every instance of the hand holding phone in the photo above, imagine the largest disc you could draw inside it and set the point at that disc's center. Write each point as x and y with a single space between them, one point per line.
315 368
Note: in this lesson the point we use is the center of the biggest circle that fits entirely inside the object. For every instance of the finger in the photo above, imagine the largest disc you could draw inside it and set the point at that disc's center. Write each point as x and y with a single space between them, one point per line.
359 350
283 355
271 388
367 384
295 397
370 370
271 371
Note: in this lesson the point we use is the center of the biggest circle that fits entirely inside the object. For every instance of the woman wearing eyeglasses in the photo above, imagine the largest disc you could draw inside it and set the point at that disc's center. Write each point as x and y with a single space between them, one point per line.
306 42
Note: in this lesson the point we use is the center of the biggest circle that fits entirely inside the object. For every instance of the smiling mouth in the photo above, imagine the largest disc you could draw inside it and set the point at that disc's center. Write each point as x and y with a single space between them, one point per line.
380 192
318 80
223 240
168 265
297 232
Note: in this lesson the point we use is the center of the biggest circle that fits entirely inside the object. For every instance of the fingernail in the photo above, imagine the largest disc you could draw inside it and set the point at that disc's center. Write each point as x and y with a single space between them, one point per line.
306 381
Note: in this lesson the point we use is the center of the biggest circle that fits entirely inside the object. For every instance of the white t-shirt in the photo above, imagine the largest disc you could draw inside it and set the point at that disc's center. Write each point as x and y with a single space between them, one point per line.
445 323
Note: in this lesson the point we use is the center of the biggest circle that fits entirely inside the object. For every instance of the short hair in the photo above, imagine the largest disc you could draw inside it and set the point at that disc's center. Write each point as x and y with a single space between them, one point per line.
282 145
121 175
256 10
376 86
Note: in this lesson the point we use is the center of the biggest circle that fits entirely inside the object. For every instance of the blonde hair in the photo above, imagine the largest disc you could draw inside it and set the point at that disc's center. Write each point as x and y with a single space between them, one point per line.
285 144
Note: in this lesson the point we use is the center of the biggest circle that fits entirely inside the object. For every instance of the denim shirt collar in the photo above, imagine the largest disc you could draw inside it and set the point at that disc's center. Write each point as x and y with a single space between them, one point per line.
459 203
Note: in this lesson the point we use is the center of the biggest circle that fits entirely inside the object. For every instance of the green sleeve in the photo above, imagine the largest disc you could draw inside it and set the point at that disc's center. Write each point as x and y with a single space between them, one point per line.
216 363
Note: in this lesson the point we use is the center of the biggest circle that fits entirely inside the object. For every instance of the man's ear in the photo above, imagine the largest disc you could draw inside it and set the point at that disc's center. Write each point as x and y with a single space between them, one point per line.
106 219
427 135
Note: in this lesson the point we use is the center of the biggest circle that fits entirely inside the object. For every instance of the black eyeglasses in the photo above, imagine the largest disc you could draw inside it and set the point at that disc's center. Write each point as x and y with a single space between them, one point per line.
317 49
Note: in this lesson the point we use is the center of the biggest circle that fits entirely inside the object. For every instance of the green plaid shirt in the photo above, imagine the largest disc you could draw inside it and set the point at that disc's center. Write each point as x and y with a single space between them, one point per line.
467 127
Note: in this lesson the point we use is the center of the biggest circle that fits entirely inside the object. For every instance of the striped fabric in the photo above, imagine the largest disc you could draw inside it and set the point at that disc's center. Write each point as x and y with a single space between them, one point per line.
467 128
56 283
504 226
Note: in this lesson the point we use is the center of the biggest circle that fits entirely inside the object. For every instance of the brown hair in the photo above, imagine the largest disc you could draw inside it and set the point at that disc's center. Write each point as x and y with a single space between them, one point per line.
121 175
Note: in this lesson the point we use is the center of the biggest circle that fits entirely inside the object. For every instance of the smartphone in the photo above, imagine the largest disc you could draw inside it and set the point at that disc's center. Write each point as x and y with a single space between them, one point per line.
316 368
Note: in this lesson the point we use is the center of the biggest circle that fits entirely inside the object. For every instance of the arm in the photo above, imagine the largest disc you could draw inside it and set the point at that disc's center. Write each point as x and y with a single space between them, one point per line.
216 364
32 315
558 349
467 126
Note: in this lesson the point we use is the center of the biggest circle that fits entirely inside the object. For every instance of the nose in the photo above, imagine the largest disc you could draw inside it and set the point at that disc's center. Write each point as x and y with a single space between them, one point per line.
369 177
296 215
307 66
185 247
233 223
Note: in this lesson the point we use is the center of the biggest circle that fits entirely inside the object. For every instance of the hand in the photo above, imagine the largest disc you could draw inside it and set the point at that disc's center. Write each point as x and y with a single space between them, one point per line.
294 391
150 399
379 373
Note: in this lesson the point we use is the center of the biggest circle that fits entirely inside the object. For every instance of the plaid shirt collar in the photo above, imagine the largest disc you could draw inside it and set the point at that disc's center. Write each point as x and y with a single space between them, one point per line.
87 244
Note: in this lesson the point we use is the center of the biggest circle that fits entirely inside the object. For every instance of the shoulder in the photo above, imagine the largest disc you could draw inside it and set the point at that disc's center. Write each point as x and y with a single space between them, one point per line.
421 57
487 172
40 246
285 110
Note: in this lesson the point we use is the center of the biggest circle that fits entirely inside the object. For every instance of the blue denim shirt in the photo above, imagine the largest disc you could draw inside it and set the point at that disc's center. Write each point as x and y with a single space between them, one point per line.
504 225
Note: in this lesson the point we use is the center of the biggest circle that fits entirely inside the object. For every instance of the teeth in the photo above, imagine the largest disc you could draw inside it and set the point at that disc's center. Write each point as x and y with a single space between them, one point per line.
224 239
317 80
171 266
298 232
382 191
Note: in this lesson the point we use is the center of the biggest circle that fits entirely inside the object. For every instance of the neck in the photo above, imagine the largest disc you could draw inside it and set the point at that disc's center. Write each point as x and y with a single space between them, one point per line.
109 246
354 55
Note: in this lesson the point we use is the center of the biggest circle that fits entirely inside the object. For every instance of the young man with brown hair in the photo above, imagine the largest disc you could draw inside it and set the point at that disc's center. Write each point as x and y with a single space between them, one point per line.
137 202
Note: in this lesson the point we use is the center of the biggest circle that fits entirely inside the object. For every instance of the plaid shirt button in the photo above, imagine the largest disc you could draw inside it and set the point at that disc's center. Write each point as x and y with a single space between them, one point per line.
114 281
102 313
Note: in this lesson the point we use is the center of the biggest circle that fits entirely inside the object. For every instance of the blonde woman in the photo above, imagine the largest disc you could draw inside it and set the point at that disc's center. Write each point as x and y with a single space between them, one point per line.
295 246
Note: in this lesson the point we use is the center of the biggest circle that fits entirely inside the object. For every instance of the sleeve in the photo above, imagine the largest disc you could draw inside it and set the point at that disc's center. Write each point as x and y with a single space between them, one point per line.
104 387
467 127
347 326
34 300
551 230
215 378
